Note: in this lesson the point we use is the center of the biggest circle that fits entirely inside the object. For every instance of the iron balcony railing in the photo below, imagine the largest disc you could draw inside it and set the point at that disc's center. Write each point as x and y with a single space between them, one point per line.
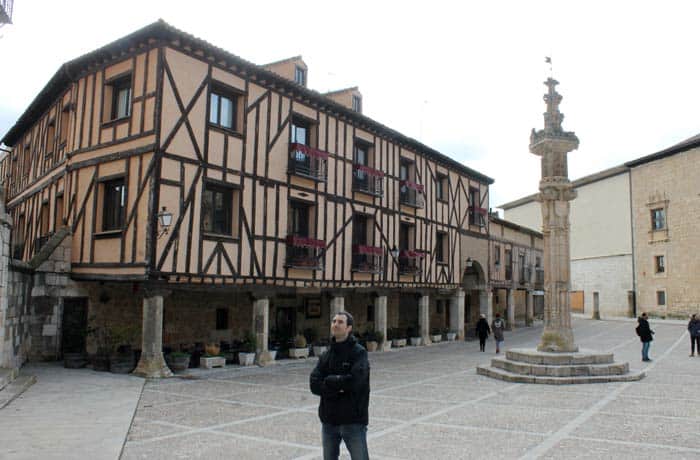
409 262
308 162
367 259
367 180
305 252
477 216
411 194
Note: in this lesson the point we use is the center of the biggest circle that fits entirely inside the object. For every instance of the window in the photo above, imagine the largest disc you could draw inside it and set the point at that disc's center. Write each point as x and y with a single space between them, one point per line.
357 104
301 132
217 206
441 248
58 213
64 126
441 187
404 236
114 204
359 229
298 219
121 98
659 264
221 319
658 219
44 219
509 264
223 109
50 138
660 298
404 170
497 255
300 76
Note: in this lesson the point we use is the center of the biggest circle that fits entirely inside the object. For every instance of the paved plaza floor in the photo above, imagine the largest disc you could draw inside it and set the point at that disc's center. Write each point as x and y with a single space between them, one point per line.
426 403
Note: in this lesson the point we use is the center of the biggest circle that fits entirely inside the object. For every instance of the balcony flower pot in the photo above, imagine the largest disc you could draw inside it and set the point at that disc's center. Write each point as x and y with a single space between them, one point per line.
246 358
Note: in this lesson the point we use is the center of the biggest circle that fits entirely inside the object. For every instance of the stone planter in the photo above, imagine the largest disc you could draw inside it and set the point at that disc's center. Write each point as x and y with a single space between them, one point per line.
436 338
210 362
74 360
121 364
178 363
416 341
451 336
246 359
319 350
372 345
386 345
273 354
296 353
399 343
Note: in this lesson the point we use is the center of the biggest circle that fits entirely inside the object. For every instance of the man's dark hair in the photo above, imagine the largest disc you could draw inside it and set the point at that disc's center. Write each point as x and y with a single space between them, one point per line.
348 317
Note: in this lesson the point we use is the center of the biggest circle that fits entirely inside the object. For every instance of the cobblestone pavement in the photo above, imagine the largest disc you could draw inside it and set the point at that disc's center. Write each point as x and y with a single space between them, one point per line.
428 403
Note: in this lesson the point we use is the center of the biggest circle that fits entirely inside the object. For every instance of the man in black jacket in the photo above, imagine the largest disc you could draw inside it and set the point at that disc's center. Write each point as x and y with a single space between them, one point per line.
341 379
645 335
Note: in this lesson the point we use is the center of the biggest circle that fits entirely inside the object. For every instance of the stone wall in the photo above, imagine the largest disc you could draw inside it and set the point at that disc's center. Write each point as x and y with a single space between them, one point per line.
611 277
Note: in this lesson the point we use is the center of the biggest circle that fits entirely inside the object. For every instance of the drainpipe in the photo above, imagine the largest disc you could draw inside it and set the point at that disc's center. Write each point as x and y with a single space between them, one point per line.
634 271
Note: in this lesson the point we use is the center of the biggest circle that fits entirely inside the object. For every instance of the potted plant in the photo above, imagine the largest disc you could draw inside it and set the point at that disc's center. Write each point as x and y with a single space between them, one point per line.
246 357
320 346
412 333
300 350
451 335
212 357
436 336
178 361
398 337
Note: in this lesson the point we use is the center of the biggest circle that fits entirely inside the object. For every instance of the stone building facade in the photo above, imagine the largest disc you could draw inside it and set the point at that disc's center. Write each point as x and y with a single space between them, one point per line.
666 219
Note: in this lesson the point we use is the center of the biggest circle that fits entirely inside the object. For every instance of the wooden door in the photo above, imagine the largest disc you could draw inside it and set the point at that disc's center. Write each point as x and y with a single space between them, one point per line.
74 324
576 301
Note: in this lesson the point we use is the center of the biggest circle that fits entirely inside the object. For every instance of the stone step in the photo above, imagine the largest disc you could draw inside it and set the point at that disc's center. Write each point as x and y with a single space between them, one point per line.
6 376
571 370
18 386
506 376
581 357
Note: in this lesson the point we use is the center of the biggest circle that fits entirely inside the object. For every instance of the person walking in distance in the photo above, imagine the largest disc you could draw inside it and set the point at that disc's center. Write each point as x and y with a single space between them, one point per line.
645 335
341 379
482 331
694 331
498 326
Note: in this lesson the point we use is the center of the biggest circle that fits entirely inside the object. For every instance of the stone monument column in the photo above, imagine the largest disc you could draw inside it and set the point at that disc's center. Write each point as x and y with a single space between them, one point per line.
552 144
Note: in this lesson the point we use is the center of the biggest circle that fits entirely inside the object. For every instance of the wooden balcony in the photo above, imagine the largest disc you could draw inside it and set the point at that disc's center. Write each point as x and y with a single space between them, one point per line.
304 252
367 259
367 180
409 262
411 194
308 162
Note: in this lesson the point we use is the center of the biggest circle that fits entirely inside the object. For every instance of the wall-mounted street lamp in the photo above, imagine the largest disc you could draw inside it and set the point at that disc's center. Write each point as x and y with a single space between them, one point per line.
165 218
469 262
394 252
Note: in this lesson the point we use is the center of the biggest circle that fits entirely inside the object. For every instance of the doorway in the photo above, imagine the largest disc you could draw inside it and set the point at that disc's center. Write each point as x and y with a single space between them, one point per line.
74 324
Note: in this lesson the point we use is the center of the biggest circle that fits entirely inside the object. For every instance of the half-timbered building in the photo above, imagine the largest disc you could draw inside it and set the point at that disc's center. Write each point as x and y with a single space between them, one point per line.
199 196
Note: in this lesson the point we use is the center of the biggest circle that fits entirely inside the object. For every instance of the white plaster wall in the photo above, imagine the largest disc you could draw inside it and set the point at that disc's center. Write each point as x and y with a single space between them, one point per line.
528 215
611 277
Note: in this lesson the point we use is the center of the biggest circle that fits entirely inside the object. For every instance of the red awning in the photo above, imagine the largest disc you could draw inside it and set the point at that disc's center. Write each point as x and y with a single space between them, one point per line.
369 171
305 242
308 151
369 250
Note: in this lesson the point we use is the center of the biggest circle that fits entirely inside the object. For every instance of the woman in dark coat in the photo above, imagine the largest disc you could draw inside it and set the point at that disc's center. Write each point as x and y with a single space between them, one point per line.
482 330
645 335
694 331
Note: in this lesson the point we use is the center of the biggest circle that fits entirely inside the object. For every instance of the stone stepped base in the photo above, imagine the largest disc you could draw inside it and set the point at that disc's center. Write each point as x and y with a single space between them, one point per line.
12 390
519 378
524 365
6 377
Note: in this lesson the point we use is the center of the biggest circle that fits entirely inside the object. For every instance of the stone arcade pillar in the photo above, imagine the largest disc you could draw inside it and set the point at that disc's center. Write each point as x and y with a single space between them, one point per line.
510 312
261 326
552 144
152 364
486 304
529 308
424 319
337 305
457 313
380 316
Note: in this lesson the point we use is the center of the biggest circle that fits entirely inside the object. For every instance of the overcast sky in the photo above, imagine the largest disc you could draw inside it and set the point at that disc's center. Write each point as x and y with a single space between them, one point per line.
463 77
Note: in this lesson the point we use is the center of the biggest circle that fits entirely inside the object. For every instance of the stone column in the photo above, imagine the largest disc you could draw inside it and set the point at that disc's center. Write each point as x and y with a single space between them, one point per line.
380 316
529 308
261 326
152 364
424 319
457 313
510 313
337 305
486 304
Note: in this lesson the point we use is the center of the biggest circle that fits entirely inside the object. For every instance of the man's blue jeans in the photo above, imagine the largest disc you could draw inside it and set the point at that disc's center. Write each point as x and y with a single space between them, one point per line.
645 350
354 435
